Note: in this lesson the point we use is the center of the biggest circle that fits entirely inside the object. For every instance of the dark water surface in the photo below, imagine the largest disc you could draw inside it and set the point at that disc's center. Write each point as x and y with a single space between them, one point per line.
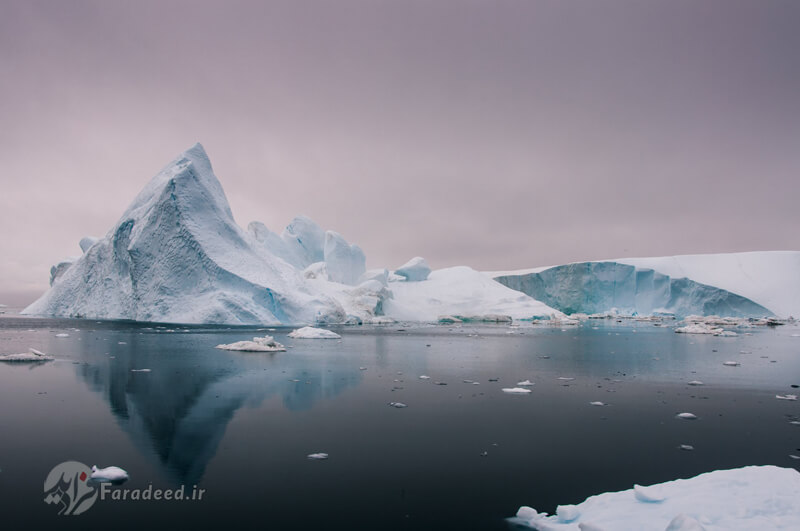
240 425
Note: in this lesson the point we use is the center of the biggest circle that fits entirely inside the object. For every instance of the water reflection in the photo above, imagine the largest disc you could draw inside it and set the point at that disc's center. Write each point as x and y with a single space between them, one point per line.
180 409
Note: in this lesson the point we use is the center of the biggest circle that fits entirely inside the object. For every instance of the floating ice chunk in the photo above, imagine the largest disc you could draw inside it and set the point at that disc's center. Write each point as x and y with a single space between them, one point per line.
448 319
309 332
525 383
695 382
687 447
684 522
362 368
516 390
686 416
597 403
317 456
786 397
567 513
414 270
424 377
32 356
792 456
141 370
652 494
399 405
63 334
258 344
698 328
108 474
565 379
731 363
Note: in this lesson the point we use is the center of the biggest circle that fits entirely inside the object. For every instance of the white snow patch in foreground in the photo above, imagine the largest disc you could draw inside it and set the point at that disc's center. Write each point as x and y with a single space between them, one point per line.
258 344
32 355
749 498
309 332
111 473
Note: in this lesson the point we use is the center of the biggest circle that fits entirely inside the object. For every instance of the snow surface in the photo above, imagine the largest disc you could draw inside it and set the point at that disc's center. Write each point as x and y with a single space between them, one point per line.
32 355
749 498
309 332
258 344
460 291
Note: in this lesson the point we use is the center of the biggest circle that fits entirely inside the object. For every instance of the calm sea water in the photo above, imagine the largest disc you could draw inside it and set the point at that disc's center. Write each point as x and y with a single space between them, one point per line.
460 456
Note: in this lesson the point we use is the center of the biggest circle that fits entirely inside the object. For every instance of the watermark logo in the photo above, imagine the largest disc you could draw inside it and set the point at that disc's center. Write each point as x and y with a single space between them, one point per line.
68 487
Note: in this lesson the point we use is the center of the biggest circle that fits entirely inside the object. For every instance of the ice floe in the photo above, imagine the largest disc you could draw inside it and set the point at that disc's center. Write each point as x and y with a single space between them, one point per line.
516 390
32 356
258 344
309 332
686 416
742 499
317 456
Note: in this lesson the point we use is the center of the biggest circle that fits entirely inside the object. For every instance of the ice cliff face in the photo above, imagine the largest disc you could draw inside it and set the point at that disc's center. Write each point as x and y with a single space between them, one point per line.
597 287
176 255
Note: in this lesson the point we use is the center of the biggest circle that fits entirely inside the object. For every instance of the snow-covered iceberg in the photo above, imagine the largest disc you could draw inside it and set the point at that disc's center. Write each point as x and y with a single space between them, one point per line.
634 289
176 255
754 497
32 356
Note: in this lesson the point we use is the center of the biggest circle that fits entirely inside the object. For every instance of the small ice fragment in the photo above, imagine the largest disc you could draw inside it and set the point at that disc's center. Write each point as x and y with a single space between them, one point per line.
439 383
62 335
648 494
786 397
362 368
397 404
121 343
309 332
695 382
687 447
565 379
731 363
795 422
516 390
484 454
525 383
424 377
794 456
598 403
687 416
108 474
140 370
476 383
317 456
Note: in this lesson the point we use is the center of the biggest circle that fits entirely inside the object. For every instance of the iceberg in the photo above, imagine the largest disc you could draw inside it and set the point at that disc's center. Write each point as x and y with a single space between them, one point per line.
753 497
600 287
461 291
176 255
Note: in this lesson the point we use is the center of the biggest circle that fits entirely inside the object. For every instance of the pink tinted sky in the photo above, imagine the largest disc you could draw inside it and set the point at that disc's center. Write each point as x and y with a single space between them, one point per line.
499 134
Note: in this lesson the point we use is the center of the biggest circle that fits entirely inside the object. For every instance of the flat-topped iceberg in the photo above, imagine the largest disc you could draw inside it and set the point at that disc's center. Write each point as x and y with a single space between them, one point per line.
754 284
309 332
32 356
258 344
754 497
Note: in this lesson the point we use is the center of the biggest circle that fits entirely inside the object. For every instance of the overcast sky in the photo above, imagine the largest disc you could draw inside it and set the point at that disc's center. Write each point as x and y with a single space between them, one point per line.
497 134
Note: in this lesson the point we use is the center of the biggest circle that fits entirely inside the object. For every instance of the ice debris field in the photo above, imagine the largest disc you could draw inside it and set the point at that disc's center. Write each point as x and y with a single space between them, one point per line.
177 255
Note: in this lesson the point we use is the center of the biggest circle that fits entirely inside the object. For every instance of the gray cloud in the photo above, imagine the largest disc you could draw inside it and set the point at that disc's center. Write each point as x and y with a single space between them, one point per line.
497 134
